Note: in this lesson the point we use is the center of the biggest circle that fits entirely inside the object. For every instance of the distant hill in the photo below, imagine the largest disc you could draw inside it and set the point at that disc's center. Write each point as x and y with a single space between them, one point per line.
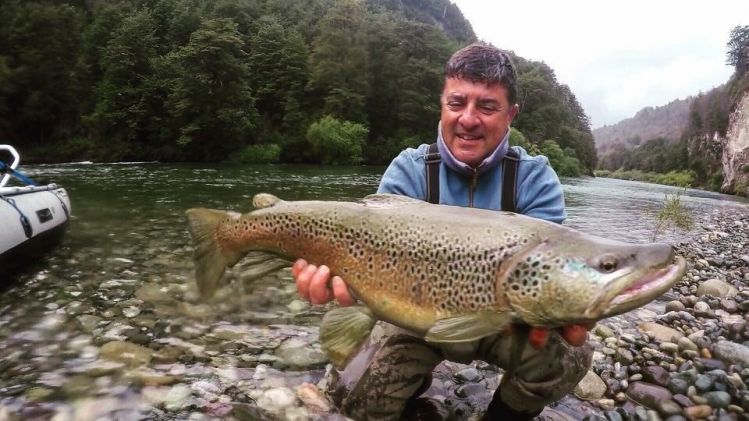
442 14
668 121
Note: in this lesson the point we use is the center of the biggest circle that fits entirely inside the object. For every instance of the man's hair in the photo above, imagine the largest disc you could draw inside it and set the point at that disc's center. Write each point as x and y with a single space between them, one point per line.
484 63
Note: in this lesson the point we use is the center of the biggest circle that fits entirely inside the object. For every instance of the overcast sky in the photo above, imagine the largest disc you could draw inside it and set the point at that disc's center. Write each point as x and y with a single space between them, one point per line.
617 57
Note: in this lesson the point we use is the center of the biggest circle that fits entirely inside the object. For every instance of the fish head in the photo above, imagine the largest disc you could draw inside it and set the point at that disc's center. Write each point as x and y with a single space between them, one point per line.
577 278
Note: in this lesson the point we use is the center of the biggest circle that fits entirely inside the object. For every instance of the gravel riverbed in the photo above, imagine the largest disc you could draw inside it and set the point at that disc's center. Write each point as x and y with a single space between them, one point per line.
128 338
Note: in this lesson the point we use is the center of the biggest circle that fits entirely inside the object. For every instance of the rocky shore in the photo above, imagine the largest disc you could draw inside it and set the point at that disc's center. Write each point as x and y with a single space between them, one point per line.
129 339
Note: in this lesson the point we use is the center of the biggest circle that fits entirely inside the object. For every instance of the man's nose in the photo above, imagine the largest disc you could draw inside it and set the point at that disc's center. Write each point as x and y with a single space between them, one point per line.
469 119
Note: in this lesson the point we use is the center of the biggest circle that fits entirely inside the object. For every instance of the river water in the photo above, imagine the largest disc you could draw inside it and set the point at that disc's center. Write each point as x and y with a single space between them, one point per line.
123 275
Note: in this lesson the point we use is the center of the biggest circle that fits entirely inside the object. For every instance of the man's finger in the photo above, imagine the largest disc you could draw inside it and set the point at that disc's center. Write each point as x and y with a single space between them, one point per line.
575 335
298 267
538 336
341 292
319 293
303 281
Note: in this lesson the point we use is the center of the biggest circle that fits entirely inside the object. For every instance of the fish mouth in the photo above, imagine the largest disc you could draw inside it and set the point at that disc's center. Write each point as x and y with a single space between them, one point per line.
642 291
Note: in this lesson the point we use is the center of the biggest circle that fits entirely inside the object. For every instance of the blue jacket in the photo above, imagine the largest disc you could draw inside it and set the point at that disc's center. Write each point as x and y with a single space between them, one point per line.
539 192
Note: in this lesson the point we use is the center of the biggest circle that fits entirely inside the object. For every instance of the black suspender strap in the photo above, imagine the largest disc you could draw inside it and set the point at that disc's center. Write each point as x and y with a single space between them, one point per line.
432 161
509 177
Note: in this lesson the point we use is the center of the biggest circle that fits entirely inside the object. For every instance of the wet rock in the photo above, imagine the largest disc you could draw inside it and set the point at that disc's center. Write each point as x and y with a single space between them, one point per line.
648 394
675 306
88 322
102 368
669 347
686 344
297 352
468 375
668 408
177 397
470 389
126 352
716 288
313 398
683 400
624 356
37 394
277 399
702 309
677 385
150 377
698 412
732 353
660 332
729 305
297 306
78 385
703 383
151 292
717 399
591 387
656 374
604 331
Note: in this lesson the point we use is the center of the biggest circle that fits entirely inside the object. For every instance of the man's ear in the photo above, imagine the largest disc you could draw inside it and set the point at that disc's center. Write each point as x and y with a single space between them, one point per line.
513 112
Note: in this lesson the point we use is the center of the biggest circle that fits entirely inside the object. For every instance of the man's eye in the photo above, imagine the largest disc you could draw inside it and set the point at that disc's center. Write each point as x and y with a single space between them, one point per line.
489 110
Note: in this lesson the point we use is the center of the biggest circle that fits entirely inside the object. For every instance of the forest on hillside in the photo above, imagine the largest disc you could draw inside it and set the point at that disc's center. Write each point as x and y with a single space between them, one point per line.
315 81
667 121
696 154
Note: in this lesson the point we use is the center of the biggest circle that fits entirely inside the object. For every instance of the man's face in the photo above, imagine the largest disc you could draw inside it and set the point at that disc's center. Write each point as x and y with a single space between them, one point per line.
475 118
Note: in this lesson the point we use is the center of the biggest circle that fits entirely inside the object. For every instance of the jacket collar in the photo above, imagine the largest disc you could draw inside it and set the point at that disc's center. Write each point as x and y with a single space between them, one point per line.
462 168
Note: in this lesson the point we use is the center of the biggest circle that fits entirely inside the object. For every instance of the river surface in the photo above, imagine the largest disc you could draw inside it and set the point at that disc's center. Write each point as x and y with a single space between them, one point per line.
124 274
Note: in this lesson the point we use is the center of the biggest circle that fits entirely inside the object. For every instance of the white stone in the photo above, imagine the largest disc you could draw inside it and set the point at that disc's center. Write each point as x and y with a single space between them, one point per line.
277 399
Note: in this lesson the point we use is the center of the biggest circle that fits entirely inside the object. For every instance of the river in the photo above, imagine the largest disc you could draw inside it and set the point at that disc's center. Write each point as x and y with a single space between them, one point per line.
122 276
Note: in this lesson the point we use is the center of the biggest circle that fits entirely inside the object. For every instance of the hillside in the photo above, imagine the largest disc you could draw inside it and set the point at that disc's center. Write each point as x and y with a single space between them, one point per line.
668 121
319 81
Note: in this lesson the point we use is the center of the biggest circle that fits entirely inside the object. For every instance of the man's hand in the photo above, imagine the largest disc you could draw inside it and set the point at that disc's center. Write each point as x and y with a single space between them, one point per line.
575 335
312 284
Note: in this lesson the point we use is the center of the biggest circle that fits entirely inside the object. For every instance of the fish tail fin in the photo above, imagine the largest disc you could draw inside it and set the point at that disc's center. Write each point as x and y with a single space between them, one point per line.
211 260
343 331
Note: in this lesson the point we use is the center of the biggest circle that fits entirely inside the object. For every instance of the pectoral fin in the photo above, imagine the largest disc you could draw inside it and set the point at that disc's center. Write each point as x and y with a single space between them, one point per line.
468 327
342 332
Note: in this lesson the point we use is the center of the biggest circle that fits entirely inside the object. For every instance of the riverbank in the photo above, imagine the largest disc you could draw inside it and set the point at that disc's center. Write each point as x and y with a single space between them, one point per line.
128 337
673 178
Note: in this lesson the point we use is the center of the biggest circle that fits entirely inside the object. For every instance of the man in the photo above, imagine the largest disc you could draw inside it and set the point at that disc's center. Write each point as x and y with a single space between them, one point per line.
394 366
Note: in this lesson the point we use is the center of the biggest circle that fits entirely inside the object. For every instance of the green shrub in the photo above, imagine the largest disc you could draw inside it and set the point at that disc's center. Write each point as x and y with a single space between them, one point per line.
518 139
337 142
564 164
265 153
602 173
672 214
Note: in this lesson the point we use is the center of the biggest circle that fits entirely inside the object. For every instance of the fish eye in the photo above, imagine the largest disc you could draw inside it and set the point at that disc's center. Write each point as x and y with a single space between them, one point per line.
608 264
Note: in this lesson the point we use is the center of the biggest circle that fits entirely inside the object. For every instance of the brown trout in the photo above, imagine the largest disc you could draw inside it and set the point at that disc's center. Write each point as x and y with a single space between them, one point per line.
453 274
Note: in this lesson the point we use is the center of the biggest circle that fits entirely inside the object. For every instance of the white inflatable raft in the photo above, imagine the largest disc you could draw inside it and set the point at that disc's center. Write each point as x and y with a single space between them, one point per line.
32 218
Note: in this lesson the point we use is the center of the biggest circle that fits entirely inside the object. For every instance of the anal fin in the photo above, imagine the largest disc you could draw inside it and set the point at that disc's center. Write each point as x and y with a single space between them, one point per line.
468 327
342 332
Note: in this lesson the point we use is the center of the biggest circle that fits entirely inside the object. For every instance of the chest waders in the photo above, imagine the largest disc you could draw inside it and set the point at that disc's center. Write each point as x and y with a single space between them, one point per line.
509 177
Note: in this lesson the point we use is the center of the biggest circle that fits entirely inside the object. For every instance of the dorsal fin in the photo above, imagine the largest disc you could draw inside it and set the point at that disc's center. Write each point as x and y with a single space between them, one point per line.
264 200
387 200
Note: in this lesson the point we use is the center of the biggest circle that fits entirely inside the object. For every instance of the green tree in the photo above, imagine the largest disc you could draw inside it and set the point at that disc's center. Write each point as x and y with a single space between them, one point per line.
39 46
123 109
209 97
278 71
339 62
337 142
738 49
